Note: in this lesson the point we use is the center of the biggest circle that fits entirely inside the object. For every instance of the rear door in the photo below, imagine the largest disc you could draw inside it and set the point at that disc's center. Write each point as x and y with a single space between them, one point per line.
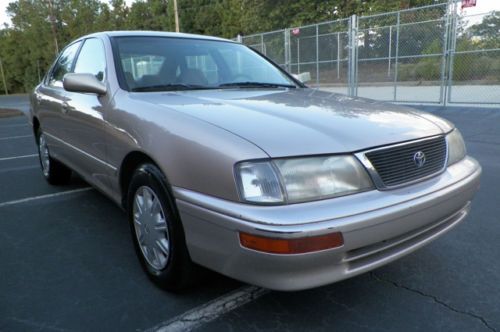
50 99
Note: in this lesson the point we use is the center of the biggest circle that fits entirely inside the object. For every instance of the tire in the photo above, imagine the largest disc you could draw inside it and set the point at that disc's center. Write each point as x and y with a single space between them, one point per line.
54 171
157 231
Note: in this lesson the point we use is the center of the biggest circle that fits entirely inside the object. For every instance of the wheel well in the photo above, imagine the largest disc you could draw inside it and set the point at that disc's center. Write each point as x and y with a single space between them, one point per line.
129 165
36 126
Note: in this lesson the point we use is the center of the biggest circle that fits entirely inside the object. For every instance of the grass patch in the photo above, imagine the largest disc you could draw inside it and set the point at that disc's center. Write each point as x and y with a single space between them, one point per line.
9 113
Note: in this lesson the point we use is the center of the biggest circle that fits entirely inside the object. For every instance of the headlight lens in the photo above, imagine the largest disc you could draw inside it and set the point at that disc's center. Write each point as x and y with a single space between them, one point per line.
259 182
302 179
456 147
322 177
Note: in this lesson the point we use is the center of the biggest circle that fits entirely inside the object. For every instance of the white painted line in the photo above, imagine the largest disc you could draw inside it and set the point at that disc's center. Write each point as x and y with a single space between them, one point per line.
211 310
19 157
15 137
36 198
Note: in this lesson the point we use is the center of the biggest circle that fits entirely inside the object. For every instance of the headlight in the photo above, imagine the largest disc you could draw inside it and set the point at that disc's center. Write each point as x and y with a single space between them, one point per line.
322 177
301 179
456 147
259 182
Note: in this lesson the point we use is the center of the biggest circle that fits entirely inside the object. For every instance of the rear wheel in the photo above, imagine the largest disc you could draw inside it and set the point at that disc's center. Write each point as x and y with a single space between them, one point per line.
53 171
157 231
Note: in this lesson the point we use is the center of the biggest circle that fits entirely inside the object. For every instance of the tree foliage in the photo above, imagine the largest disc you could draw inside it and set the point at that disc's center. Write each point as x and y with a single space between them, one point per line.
40 28
487 32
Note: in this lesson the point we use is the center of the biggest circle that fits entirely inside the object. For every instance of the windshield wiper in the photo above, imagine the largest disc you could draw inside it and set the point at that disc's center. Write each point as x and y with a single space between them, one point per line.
256 85
170 87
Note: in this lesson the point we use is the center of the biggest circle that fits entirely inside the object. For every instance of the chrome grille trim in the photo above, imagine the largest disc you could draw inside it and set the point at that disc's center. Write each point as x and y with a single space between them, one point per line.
391 167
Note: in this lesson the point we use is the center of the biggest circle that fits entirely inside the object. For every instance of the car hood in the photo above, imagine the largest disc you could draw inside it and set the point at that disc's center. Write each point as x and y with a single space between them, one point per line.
295 122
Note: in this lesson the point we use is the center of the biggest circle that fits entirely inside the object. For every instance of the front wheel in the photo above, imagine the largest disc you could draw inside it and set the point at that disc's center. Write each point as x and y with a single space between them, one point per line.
54 171
157 231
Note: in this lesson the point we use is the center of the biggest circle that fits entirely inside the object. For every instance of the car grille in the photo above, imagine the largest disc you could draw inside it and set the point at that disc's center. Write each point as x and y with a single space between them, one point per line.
397 165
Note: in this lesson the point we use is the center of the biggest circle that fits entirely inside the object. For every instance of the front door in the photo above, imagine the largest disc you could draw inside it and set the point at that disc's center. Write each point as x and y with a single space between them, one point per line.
86 126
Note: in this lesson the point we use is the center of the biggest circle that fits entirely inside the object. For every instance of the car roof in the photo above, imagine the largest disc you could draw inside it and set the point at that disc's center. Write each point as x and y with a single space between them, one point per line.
138 33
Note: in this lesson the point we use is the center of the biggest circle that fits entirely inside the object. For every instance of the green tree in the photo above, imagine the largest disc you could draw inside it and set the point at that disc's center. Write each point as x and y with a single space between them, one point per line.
487 33
118 15
40 28
29 45
149 15
81 17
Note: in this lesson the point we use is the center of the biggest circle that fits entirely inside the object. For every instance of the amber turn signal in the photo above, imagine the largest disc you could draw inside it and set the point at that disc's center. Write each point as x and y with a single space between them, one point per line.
292 246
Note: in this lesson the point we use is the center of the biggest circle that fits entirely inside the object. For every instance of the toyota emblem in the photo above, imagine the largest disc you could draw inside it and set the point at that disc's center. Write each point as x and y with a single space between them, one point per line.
419 159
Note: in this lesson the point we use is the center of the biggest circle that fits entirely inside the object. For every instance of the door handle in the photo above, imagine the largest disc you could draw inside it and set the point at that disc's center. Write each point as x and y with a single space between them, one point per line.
65 107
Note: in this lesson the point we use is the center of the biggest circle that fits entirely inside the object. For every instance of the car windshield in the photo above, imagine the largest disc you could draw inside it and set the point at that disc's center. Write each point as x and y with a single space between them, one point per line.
167 64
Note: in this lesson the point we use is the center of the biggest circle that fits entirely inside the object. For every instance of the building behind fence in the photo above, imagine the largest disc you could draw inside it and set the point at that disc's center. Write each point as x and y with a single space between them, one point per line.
433 54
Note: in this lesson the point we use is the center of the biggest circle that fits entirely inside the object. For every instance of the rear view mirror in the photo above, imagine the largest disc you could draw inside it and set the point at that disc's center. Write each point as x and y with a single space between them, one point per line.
84 83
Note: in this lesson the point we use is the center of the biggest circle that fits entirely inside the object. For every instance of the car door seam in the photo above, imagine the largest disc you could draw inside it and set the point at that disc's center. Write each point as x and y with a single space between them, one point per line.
81 151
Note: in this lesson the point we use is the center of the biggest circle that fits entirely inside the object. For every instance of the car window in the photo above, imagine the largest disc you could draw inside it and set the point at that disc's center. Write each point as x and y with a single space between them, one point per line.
91 59
164 63
205 64
64 64
245 65
138 65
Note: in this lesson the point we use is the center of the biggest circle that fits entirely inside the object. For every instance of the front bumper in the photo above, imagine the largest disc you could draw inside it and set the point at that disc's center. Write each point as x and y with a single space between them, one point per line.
378 227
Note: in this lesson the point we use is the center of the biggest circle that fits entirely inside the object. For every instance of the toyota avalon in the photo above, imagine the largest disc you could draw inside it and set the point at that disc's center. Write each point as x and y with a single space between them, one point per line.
223 159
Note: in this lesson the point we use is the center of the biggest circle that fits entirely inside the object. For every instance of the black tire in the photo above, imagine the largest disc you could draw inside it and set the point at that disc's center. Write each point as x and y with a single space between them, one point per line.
179 269
53 171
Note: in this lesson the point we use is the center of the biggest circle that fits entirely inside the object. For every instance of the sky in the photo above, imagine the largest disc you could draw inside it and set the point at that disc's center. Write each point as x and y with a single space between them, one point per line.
483 6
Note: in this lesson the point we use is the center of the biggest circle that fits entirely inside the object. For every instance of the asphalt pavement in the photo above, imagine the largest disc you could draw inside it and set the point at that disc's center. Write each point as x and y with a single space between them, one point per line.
67 262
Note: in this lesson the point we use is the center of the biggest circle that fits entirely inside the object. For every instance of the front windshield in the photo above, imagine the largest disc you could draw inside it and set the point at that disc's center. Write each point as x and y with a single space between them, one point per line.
164 63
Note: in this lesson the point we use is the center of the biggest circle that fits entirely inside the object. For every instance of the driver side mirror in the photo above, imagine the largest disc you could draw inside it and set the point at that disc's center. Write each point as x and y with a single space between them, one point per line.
84 83
303 77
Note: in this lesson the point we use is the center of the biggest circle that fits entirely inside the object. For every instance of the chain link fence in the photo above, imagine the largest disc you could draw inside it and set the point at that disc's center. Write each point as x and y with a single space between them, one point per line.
474 68
433 55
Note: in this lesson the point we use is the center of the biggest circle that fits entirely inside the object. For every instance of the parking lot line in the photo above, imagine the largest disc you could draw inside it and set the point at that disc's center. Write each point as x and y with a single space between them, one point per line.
211 310
19 157
14 137
35 198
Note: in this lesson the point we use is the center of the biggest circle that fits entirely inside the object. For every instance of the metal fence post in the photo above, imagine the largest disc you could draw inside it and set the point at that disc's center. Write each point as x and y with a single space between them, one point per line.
356 56
262 48
317 55
390 52
446 55
287 45
350 58
352 55
338 55
298 55
451 50
396 62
